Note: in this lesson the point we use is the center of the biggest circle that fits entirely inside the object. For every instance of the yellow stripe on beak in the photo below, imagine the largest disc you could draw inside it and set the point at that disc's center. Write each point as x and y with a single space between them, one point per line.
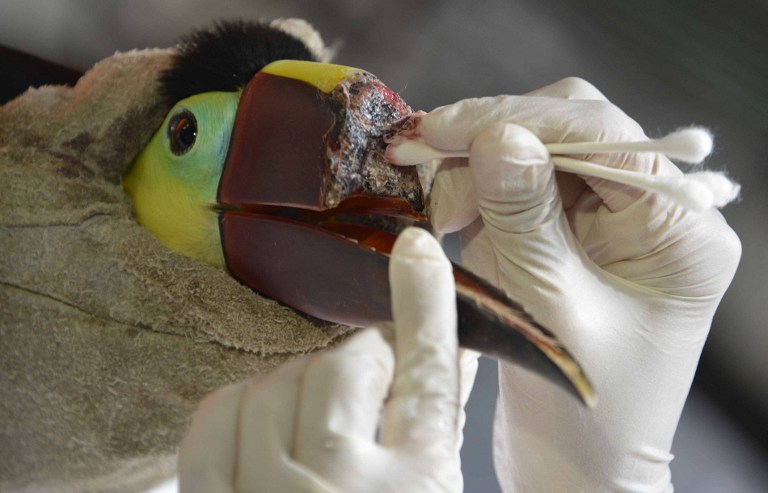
324 76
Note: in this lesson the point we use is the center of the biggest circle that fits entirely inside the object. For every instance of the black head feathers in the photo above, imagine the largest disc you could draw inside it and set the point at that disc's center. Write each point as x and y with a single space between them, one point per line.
226 57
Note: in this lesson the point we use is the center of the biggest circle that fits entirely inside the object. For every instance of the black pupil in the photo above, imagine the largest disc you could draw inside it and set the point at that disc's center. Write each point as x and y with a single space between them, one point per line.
182 132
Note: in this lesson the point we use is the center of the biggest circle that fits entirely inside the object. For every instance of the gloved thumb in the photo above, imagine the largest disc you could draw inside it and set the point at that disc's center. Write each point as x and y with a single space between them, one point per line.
512 176
509 165
452 201
516 193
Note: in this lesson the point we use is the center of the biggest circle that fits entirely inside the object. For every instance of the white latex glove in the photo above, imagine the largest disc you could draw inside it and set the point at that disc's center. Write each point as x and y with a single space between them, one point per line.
312 424
628 281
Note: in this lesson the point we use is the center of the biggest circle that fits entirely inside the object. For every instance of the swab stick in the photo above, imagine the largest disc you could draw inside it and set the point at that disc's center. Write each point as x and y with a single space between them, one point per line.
697 191
690 145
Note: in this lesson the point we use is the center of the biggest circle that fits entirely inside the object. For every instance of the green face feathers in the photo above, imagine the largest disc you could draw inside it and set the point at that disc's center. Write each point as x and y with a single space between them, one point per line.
174 180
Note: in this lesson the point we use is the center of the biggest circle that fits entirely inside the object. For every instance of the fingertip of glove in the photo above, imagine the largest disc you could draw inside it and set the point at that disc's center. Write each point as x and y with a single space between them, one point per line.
420 276
418 244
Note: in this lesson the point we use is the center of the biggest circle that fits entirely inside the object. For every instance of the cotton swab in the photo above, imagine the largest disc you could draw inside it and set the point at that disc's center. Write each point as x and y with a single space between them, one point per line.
697 191
690 145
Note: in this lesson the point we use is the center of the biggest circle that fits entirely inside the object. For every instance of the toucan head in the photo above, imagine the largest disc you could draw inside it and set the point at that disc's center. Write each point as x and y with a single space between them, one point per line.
293 150
272 165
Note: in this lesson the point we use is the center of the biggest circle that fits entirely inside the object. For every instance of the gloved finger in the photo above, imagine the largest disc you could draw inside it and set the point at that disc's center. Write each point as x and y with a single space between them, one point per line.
520 206
572 187
468 363
454 127
577 88
343 392
616 196
242 435
512 176
208 453
452 200
569 88
422 411
266 432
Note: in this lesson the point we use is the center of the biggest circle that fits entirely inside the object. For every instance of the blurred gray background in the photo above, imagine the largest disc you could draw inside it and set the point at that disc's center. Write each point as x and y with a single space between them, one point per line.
666 63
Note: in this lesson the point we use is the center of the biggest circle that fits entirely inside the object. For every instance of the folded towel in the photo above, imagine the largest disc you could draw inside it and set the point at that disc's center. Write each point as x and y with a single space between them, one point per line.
107 338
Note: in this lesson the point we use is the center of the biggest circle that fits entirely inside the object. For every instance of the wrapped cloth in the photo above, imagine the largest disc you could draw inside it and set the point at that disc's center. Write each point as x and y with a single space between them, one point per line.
107 338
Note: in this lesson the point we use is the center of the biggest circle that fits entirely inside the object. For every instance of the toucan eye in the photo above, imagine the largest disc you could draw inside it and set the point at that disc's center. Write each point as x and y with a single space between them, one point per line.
182 132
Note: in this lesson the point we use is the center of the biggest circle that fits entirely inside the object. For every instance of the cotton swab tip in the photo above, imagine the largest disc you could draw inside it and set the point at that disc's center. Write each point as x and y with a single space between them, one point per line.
722 188
691 145
692 195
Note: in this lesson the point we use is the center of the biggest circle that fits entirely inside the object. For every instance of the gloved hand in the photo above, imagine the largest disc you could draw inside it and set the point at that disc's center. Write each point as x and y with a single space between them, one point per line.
627 280
312 424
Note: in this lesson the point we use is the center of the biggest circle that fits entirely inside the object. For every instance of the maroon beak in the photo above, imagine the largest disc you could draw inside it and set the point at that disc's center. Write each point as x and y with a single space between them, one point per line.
311 208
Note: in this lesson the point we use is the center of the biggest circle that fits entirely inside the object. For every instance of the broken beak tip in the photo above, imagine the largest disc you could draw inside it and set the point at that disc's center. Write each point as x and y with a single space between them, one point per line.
589 398
585 392
591 401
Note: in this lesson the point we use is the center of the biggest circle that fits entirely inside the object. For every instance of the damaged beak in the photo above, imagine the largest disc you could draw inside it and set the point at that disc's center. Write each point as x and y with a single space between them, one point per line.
310 209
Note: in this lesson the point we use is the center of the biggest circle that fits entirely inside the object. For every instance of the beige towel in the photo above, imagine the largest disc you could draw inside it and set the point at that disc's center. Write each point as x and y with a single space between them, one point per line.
108 339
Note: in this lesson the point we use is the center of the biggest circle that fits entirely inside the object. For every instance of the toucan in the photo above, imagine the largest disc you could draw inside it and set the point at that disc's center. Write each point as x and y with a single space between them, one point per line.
272 165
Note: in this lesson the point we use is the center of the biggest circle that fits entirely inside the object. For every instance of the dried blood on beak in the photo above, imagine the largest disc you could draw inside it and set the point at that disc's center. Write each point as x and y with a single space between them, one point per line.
293 145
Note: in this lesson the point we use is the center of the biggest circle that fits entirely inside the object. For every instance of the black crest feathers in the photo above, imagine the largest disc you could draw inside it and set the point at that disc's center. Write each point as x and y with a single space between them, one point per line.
226 57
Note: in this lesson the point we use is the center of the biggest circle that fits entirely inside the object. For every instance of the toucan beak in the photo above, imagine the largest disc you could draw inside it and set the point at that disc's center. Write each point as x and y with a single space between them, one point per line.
302 196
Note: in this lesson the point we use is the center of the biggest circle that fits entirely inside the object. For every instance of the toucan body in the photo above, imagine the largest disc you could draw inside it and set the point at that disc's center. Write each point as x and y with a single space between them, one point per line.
281 179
